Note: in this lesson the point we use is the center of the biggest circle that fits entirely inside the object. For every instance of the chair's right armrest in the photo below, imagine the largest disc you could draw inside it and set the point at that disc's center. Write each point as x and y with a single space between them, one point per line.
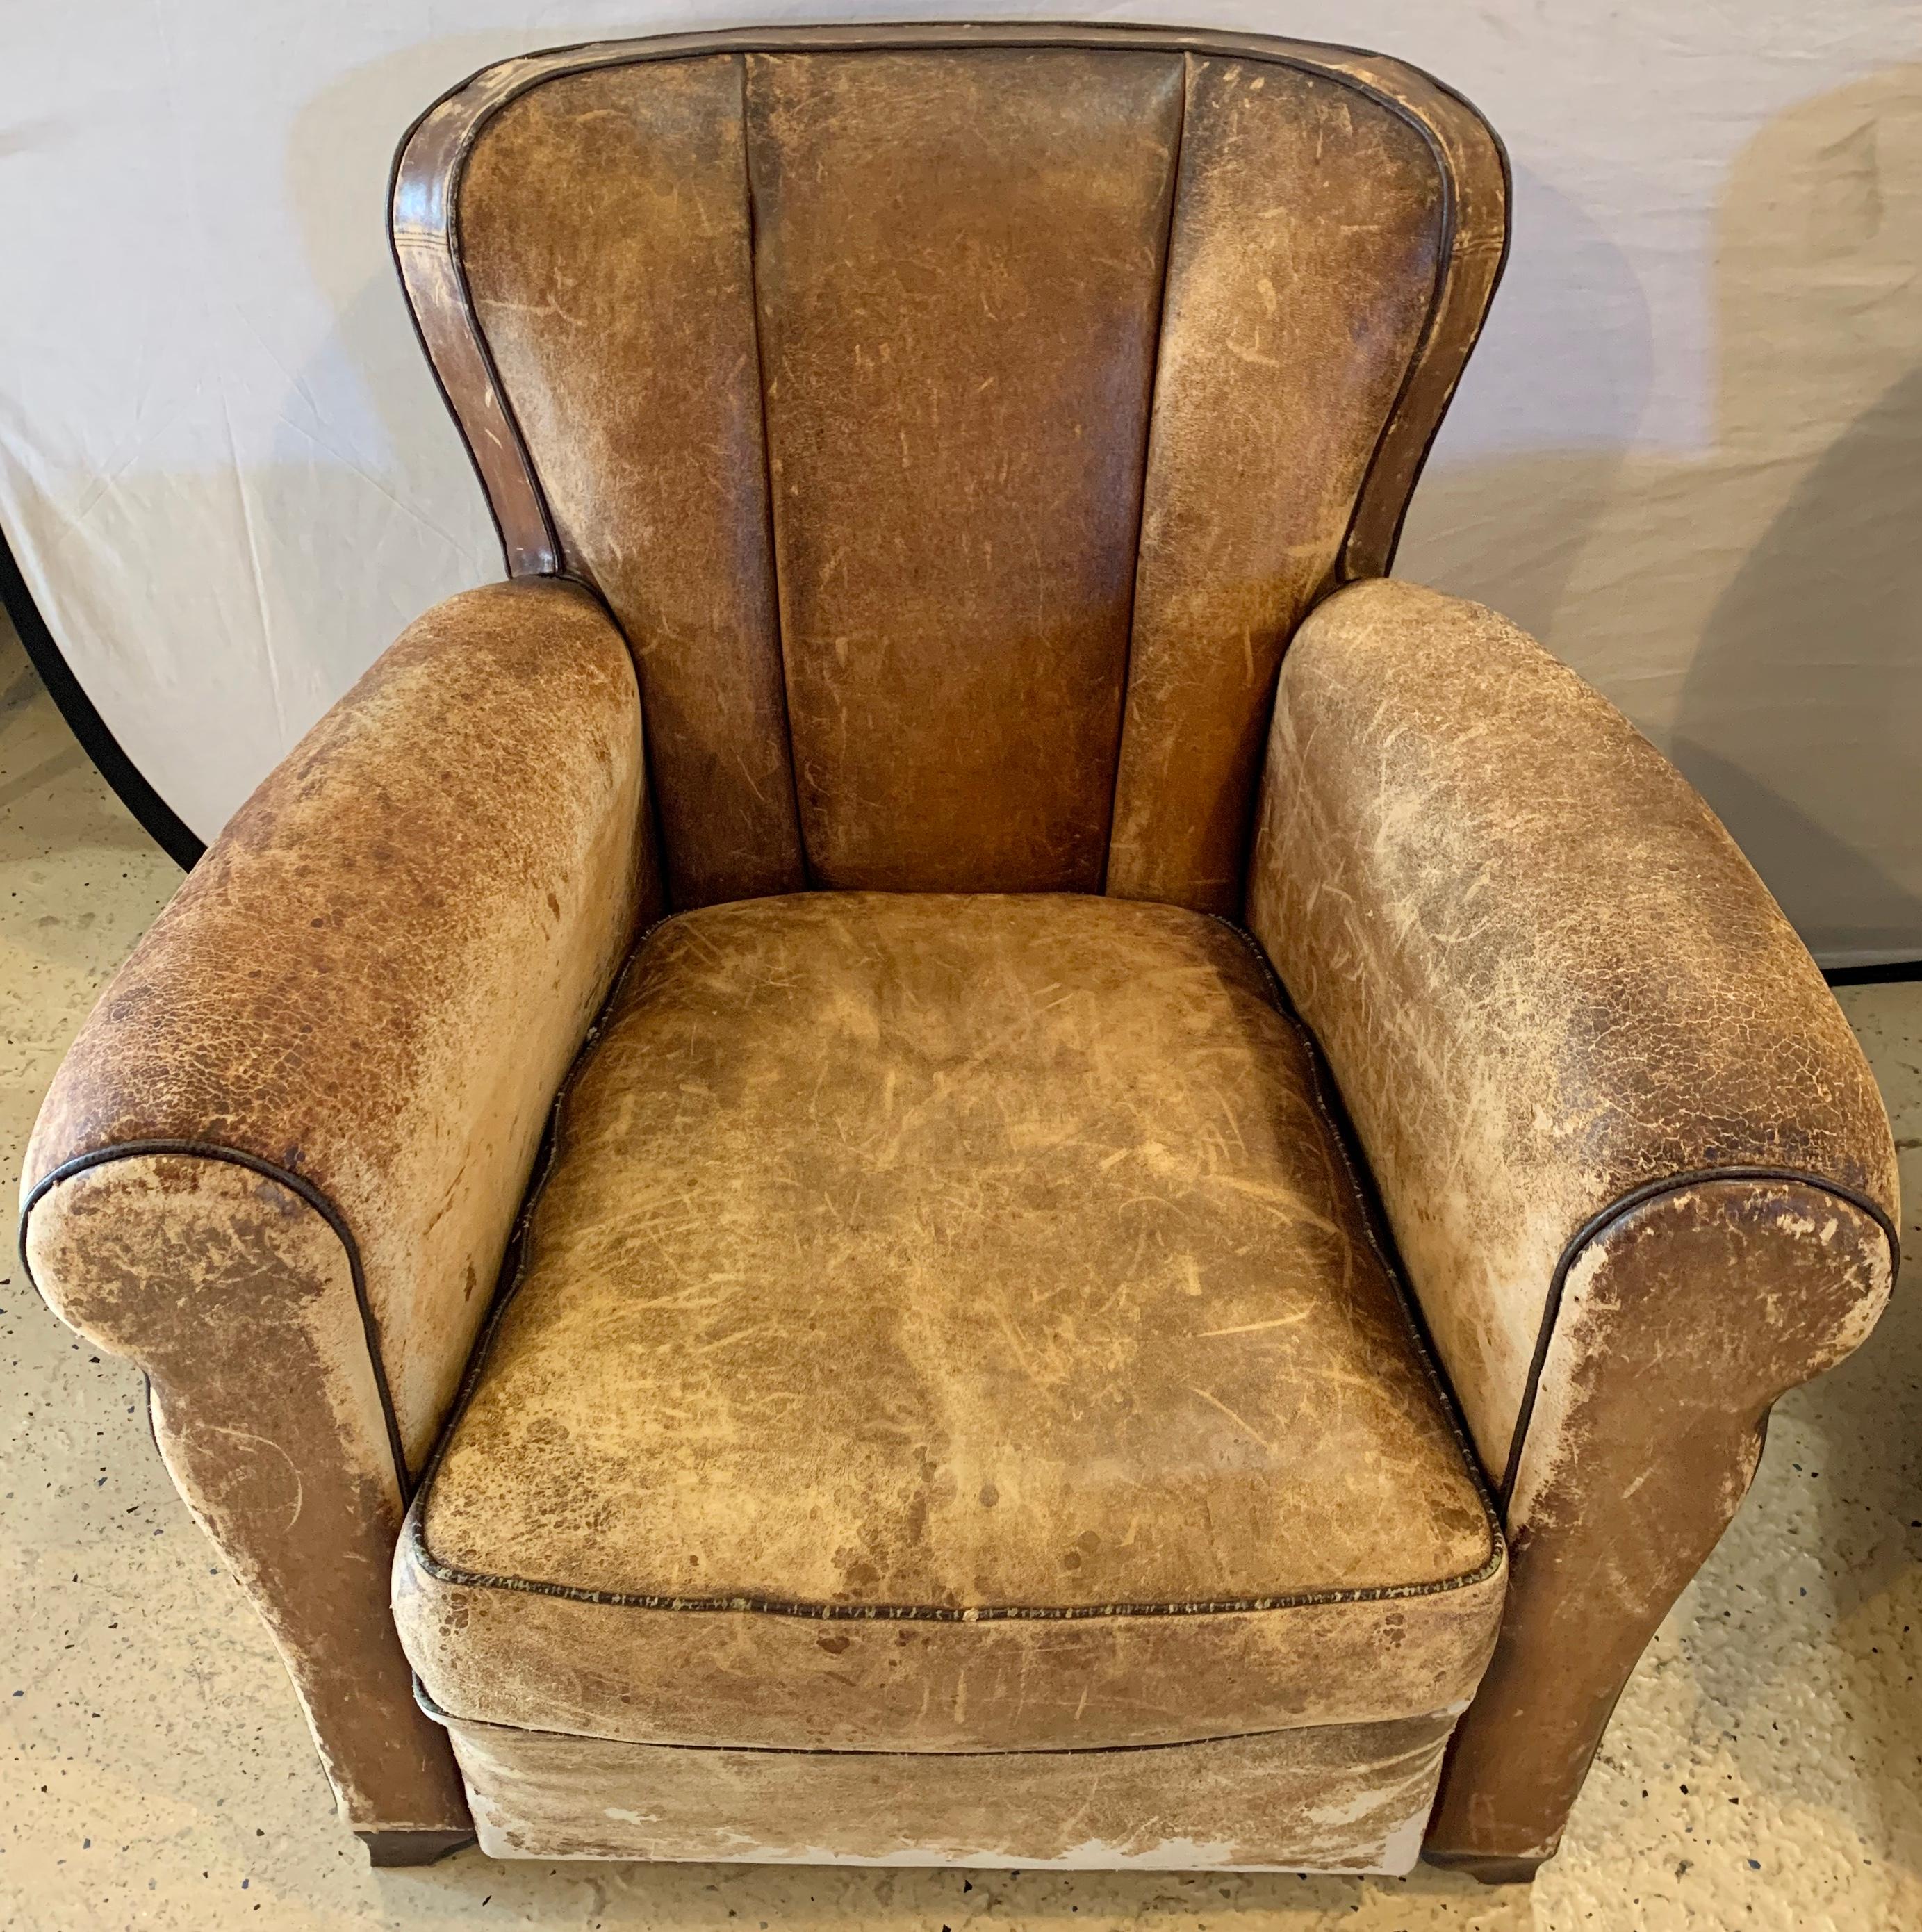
280 1166
1545 978
1635 1161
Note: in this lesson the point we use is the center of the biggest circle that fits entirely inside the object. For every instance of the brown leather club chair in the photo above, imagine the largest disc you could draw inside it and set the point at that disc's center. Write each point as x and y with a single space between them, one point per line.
1146 1247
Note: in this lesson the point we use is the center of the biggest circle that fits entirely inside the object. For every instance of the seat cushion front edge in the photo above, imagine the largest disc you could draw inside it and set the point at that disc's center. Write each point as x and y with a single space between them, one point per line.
504 1650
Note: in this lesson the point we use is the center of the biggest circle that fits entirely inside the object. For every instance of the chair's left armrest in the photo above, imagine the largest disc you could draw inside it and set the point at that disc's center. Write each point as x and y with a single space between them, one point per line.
1635 1161
280 1166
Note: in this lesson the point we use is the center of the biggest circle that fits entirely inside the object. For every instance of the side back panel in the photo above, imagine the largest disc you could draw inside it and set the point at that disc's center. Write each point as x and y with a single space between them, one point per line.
1308 226
606 236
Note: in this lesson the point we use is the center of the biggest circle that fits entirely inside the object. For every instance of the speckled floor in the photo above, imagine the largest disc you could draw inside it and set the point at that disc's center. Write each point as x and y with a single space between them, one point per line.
1764 1769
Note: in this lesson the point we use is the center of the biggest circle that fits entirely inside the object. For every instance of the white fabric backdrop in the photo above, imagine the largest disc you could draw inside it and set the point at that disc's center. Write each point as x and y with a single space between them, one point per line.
1688 455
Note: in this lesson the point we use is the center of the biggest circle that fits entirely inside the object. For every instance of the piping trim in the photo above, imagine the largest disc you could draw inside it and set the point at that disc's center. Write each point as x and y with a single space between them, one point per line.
524 546
1599 1224
294 1184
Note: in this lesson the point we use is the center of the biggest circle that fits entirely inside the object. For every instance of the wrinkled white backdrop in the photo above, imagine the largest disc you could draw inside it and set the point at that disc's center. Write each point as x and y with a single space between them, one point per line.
1688 455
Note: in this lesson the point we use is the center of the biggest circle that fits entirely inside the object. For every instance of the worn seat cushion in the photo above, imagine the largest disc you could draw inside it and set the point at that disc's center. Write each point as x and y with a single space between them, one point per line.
949 1323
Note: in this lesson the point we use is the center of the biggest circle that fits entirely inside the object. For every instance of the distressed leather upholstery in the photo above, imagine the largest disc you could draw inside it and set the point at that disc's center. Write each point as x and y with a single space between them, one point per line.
1337 1797
916 409
975 1290
1634 1161
279 1167
950 1324
955 1394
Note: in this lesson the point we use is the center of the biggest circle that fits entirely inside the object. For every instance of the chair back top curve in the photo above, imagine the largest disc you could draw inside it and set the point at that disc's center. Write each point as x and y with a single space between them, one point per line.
958 421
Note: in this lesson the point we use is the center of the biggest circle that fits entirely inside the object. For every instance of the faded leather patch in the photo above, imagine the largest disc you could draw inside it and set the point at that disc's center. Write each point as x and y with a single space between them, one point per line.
1634 1159
1345 1799
606 231
1308 231
1680 1324
958 260
237 1299
370 986
378 975
924 399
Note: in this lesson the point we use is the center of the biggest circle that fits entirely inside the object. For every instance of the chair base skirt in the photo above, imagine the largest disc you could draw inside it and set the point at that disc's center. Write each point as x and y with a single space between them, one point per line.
1348 1798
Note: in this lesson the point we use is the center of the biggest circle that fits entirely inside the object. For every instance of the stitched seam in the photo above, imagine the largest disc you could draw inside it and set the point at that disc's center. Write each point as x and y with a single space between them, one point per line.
1147 453
779 613
415 1528
935 1613
440 1714
1599 1224
295 1184
394 173
700 46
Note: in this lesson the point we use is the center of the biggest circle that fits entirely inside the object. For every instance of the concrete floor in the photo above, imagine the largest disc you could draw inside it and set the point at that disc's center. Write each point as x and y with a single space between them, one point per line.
1764 1770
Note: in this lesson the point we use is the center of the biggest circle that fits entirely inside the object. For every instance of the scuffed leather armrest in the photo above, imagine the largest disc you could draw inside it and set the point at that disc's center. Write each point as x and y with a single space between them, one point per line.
280 1166
1635 1164
1544 976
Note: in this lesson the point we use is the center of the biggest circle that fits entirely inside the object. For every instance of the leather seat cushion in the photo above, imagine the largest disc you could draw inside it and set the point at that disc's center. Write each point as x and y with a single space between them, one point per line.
948 1322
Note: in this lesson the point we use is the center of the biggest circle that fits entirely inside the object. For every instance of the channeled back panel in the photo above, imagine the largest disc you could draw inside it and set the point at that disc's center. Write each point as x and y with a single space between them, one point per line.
958 420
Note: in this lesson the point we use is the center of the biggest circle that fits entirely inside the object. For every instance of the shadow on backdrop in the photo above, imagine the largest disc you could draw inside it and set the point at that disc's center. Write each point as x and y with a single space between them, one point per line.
1755 608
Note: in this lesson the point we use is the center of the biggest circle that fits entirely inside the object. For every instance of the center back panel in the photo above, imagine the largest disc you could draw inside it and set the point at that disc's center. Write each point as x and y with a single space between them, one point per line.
959 262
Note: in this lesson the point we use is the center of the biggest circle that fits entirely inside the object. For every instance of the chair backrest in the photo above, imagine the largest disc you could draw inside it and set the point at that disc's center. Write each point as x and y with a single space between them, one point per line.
958 421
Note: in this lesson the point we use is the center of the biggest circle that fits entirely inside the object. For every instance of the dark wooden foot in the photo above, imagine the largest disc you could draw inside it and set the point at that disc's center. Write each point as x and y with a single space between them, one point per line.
1486 1866
411 1848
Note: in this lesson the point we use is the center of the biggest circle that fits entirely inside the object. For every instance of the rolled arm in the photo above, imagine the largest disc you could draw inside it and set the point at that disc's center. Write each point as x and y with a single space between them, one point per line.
280 1166
1636 1165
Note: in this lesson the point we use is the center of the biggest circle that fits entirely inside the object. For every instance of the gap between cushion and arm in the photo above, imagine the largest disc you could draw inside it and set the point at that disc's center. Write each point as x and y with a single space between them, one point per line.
1614 1115
279 1167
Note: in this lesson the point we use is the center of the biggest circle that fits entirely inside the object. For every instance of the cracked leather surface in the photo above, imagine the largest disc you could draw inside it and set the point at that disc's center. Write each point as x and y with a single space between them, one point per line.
380 972
1681 1324
265 1408
953 1253
837 371
374 980
835 367
951 249
606 235
1302 207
